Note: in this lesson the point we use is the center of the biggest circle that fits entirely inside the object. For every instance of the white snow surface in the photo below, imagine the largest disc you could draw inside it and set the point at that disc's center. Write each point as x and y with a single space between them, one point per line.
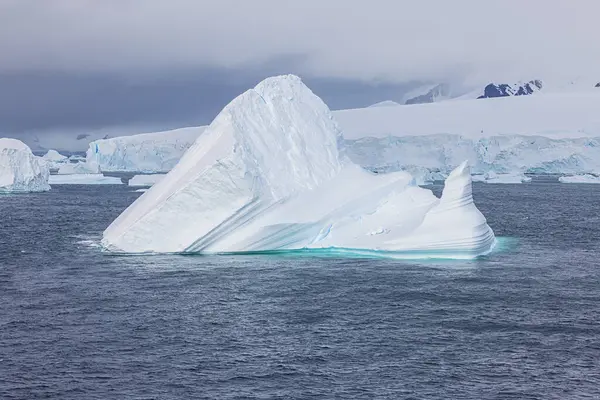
149 153
146 180
267 174
585 178
84 179
553 115
20 170
385 103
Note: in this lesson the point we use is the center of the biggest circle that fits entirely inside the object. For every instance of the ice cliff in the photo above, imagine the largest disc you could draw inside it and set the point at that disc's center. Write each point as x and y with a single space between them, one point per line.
270 173
20 170
557 132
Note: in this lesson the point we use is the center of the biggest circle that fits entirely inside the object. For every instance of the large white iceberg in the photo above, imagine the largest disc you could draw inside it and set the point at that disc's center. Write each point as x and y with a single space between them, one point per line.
20 170
268 174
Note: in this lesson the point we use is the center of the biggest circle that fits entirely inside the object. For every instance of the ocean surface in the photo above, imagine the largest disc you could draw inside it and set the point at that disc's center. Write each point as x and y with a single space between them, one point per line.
522 323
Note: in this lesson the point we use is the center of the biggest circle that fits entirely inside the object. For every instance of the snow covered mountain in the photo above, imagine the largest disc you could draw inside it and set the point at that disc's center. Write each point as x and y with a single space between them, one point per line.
518 89
20 170
267 175
437 93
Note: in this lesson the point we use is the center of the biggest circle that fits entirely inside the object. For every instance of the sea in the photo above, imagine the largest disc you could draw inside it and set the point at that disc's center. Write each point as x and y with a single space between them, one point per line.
80 323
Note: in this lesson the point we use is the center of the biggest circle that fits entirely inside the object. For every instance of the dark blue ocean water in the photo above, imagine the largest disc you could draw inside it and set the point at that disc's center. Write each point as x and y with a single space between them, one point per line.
76 323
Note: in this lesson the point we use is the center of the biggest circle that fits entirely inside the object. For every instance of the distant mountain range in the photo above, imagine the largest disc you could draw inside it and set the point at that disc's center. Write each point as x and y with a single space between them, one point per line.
443 91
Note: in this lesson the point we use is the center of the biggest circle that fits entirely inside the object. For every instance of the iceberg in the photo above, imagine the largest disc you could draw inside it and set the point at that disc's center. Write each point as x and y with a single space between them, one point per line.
54 156
585 178
156 152
84 179
270 173
20 170
492 177
54 160
73 168
145 180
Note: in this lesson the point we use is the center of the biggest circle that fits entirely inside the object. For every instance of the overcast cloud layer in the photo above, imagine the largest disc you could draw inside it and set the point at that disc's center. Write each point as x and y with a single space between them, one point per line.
382 40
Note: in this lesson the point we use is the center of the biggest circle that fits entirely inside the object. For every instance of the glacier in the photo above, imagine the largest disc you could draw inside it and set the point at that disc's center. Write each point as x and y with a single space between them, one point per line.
20 170
550 133
271 173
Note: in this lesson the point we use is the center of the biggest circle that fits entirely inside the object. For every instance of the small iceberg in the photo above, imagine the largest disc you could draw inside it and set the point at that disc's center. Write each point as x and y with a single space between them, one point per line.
84 179
514 177
585 178
20 170
145 180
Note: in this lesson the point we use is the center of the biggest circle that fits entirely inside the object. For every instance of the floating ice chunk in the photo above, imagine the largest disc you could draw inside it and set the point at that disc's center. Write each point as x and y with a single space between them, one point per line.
585 178
84 179
267 175
20 170
145 180
517 177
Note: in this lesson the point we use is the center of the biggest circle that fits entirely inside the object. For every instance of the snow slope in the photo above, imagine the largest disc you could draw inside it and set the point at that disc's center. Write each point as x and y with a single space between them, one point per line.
385 103
149 153
556 115
267 175
20 170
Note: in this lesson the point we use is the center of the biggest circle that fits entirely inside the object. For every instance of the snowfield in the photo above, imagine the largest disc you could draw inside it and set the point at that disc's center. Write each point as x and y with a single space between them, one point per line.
268 174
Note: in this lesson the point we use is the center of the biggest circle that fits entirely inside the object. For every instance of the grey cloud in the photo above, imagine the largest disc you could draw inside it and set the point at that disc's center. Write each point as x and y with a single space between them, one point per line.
374 40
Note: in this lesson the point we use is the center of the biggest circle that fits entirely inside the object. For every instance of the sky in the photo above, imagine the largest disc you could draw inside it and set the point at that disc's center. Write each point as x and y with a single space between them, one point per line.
89 63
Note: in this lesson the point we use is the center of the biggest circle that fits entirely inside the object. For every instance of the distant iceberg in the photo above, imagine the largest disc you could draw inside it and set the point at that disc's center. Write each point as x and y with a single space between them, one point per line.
585 178
55 156
492 177
84 179
156 152
20 170
268 174
145 180
72 168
